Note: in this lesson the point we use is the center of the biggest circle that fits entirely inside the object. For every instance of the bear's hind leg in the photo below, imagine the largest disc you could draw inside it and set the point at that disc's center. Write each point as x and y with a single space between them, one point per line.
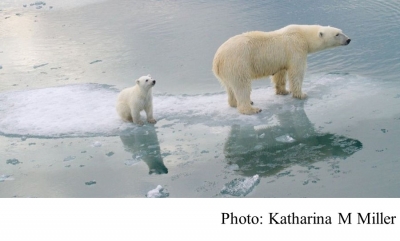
279 79
242 94
231 97
124 112
128 118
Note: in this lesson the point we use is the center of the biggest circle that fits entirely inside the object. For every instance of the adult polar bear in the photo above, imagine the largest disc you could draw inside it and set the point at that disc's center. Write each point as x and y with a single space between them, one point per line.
280 53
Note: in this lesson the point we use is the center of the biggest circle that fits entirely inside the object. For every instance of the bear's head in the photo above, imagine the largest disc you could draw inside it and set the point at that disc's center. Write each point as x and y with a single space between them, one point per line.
332 37
146 82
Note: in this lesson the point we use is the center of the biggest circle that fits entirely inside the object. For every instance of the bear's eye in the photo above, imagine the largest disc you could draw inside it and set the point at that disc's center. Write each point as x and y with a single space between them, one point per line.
147 80
337 35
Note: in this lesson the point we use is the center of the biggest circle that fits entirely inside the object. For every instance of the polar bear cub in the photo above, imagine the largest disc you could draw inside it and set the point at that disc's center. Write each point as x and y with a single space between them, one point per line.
131 101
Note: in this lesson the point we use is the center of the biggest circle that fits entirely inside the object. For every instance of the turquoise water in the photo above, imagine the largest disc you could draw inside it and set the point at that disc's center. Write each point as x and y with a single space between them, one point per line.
62 67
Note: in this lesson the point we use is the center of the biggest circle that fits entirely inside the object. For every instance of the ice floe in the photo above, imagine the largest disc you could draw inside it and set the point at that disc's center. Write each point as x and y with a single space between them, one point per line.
89 109
241 186
158 192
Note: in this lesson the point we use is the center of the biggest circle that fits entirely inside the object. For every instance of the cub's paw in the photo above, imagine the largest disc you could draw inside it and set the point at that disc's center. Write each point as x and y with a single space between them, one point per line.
152 121
301 96
282 92
138 122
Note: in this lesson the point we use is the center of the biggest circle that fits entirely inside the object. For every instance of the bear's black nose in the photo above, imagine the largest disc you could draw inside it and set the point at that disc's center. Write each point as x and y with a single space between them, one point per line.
348 41
154 82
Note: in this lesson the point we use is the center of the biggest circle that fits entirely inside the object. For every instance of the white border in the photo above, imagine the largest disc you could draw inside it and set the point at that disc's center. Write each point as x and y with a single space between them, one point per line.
186 219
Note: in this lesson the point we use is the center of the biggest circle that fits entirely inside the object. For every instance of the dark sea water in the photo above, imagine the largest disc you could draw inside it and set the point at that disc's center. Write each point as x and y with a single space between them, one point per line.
62 64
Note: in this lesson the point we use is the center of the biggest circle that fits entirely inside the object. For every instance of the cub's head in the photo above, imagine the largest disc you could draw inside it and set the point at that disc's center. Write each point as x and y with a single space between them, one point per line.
146 82
332 37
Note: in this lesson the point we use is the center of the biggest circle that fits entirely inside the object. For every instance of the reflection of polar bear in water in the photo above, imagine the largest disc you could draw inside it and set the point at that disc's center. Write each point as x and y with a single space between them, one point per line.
144 143
267 151
281 53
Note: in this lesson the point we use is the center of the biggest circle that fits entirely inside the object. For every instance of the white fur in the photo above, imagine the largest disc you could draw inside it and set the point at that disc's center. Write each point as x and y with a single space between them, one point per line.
281 53
131 101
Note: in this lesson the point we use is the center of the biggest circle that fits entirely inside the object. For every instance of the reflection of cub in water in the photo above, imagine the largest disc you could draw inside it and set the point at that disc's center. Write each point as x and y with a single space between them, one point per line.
268 150
143 142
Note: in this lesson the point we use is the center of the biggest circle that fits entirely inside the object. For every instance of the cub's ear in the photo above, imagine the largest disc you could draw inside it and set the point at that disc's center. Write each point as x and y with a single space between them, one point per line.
321 34
149 75
137 81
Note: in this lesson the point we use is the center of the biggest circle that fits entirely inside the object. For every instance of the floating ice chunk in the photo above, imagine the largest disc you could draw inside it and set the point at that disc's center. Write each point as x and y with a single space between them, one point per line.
13 161
262 135
69 158
39 65
153 146
258 147
5 177
133 161
158 192
38 3
233 167
241 186
96 144
90 183
285 139
96 61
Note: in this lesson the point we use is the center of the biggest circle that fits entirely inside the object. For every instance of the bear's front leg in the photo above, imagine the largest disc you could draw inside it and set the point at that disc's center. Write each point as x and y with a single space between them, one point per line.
149 113
295 89
296 76
279 79
135 113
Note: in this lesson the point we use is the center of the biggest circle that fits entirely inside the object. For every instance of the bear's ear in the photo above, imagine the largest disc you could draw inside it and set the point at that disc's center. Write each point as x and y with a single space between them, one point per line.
149 75
321 34
137 81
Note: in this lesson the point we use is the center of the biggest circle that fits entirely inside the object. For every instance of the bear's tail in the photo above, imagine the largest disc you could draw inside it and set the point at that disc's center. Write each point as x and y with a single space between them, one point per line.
216 67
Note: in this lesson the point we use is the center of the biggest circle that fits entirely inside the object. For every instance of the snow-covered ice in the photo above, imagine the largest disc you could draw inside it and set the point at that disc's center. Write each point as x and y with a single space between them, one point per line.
89 110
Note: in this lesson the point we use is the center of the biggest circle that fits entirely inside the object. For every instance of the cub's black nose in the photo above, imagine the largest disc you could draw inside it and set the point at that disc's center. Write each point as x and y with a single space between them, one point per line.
348 41
154 82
